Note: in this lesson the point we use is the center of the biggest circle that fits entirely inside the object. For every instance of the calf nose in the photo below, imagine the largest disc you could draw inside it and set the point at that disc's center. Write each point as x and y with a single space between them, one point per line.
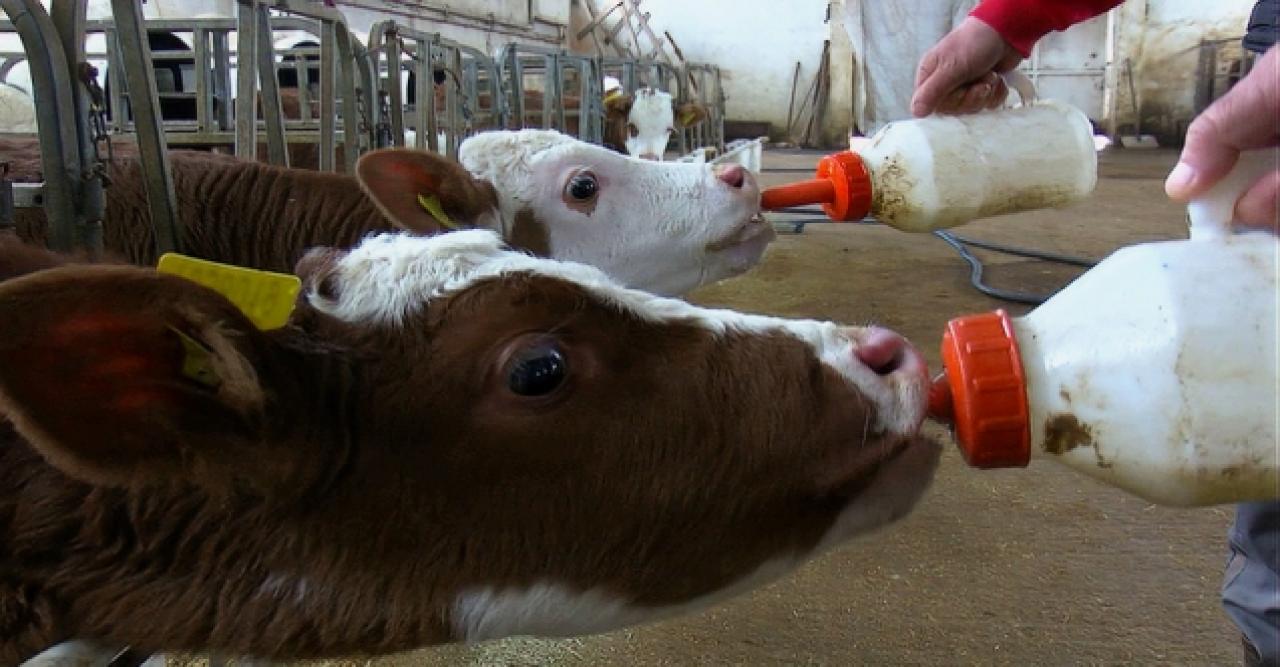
881 350
732 175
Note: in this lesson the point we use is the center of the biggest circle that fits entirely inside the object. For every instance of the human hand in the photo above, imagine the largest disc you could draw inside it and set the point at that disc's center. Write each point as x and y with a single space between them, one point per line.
1247 117
961 73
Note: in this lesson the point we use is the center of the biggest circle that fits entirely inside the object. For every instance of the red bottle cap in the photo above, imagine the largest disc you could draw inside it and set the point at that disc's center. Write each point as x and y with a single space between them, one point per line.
983 391
841 184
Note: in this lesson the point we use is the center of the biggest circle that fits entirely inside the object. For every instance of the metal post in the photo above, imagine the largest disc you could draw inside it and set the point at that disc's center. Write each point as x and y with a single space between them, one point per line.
303 68
204 98
328 35
451 108
55 109
350 102
517 85
6 198
394 70
145 106
246 81
269 86
550 65
425 95
69 19
368 93
115 101
222 78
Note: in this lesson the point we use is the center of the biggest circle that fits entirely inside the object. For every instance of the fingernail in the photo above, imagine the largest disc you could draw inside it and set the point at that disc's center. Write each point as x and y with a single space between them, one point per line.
1180 179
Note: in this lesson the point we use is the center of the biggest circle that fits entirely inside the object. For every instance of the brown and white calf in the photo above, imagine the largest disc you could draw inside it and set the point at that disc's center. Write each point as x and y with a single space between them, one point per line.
449 441
666 228
642 123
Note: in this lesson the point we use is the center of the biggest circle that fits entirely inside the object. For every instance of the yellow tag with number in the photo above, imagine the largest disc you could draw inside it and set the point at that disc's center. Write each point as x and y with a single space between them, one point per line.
431 204
266 298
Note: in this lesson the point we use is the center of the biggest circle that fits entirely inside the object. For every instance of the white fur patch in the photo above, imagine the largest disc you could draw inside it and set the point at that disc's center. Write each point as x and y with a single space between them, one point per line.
508 159
653 116
554 610
391 276
76 653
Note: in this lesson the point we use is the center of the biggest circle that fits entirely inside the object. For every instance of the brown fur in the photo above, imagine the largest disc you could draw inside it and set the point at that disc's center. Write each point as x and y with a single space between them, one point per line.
343 484
253 214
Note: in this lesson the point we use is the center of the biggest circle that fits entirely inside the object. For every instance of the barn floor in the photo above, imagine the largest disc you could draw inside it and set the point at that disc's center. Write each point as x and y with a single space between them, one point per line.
1022 567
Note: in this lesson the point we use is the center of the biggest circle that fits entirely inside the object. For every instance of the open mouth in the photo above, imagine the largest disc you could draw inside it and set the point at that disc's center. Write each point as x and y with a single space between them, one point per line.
755 228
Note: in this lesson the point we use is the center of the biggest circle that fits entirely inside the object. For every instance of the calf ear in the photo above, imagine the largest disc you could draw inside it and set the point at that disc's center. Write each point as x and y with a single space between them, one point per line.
618 106
120 376
690 114
406 185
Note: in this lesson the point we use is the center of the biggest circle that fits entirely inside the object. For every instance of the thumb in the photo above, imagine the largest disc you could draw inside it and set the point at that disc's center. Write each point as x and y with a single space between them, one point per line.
1206 158
1240 120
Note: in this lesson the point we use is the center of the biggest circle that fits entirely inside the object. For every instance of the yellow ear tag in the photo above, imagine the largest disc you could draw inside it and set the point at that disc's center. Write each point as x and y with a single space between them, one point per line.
197 361
266 298
431 204
687 117
612 95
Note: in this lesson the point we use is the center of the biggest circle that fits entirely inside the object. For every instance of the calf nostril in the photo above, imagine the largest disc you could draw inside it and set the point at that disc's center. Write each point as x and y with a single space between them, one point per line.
733 175
882 351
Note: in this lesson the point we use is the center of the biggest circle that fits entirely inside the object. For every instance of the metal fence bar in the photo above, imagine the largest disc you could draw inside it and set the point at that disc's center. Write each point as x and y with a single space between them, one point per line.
55 109
269 87
145 105
203 73
69 19
222 80
328 101
393 89
246 82
350 101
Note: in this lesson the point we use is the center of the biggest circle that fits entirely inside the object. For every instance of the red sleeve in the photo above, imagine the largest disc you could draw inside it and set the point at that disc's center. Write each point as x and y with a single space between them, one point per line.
1023 22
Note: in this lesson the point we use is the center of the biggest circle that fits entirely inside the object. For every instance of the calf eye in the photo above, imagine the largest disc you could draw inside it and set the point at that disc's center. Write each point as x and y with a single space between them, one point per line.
632 129
537 370
582 187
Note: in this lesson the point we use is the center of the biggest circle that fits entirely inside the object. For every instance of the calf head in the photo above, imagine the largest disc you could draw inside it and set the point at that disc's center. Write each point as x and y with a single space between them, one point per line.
661 227
645 121
451 441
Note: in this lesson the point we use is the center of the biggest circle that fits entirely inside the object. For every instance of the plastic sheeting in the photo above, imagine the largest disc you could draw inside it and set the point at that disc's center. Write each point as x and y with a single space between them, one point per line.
889 37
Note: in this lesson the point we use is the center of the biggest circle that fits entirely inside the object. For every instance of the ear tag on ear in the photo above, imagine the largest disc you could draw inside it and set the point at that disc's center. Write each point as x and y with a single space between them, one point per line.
431 204
612 95
197 361
266 298
687 117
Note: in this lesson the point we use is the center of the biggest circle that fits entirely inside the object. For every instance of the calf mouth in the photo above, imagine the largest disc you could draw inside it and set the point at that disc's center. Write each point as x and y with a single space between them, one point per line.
756 228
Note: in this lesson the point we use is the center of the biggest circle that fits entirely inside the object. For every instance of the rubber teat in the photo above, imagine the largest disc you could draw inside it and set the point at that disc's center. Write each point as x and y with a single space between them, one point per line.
841 184
940 406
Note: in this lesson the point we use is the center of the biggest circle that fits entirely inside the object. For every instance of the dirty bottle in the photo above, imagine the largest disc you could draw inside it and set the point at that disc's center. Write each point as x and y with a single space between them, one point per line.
941 171
1155 371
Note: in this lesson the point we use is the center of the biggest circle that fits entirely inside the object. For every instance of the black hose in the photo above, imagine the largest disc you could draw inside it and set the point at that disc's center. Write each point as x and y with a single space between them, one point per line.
1024 252
976 268
805 216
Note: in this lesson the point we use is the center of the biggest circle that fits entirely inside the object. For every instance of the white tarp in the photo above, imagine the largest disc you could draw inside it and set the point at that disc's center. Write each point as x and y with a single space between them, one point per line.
889 37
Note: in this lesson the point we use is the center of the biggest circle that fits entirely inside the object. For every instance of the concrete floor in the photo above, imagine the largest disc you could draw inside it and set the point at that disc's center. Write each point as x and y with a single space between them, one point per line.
1038 566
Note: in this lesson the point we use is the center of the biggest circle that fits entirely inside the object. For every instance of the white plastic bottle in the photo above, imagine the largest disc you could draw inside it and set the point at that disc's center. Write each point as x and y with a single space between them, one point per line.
941 171
1155 371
